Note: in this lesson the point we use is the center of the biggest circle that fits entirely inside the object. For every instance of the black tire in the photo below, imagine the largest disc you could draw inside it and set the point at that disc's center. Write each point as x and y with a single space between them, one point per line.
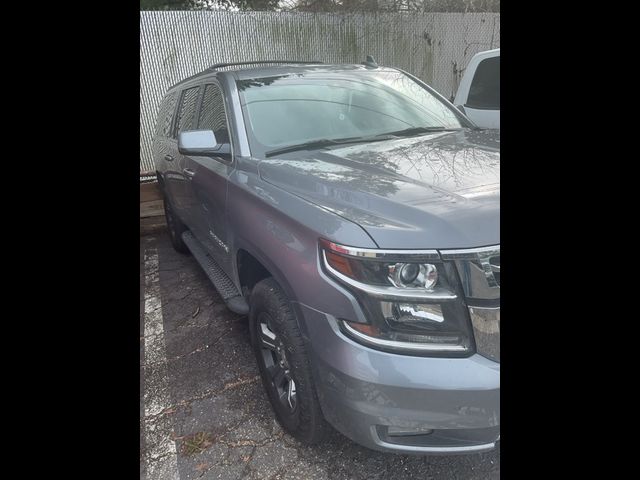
175 227
299 412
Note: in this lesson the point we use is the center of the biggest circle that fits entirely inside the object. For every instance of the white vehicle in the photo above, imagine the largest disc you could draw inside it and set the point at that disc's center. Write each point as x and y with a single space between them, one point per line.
478 95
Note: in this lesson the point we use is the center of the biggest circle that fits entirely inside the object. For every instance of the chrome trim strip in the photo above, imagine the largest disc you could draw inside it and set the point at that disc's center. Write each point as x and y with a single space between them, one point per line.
438 450
406 346
219 242
391 293
470 253
374 253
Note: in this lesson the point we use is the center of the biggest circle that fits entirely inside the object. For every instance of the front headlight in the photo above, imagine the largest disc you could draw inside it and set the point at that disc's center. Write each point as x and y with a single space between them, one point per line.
407 275
411 300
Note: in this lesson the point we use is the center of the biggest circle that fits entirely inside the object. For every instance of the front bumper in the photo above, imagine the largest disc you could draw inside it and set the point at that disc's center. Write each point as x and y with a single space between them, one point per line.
363 392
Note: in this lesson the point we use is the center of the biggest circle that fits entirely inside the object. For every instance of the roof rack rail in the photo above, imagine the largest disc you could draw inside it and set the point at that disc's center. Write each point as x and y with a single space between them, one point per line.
231 64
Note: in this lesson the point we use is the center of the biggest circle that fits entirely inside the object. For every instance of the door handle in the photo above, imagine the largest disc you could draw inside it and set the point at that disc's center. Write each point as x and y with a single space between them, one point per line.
188 173
168 158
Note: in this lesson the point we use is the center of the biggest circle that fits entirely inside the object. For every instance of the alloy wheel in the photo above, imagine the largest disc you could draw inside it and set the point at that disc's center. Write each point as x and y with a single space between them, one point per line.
276 363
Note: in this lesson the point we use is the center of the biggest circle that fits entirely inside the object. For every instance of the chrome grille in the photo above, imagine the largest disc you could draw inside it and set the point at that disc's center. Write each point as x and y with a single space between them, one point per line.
494 262
479 272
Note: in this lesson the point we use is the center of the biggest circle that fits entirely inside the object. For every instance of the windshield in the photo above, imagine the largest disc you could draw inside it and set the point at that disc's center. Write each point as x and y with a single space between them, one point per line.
296 109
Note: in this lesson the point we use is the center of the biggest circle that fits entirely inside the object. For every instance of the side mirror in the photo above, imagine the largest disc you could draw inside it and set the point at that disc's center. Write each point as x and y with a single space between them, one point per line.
198 143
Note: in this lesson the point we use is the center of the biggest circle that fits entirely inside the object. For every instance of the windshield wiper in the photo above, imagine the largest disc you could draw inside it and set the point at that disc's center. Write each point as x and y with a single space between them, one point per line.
328 142
408 132
325 142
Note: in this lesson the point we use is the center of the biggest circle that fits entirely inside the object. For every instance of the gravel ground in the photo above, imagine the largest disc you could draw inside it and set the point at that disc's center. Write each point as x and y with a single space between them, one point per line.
203 412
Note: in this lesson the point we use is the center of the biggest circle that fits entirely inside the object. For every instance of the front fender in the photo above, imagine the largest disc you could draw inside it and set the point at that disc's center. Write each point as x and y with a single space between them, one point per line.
281 231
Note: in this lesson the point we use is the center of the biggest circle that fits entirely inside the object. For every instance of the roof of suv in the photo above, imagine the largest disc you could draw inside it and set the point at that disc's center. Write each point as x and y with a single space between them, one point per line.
243 72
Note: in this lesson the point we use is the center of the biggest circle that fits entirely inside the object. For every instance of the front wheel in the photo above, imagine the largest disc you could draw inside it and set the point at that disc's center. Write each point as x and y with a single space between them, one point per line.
284 364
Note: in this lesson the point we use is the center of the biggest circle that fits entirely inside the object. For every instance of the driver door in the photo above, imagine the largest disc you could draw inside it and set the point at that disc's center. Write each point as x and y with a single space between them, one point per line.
209 178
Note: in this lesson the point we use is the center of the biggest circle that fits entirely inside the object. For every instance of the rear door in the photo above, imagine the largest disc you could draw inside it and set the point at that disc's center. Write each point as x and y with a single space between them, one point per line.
210 175
181 189
161 147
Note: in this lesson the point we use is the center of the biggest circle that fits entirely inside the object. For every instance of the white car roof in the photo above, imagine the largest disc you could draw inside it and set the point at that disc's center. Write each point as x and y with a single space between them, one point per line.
488 53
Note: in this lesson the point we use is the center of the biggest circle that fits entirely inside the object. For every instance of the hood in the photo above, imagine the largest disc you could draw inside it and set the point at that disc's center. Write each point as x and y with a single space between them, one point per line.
440 190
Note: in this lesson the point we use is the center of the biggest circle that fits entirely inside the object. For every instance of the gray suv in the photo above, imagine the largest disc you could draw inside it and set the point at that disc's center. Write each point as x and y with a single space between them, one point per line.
352 213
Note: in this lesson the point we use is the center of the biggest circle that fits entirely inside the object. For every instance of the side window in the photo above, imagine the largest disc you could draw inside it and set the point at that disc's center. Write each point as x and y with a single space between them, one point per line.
165 115
484 92
186 111
212 115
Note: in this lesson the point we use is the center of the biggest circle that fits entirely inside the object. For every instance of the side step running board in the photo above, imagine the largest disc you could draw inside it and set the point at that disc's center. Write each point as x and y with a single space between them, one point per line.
225 287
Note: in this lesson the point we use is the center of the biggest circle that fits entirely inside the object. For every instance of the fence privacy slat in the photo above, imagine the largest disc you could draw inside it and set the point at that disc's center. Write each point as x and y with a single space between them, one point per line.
176 44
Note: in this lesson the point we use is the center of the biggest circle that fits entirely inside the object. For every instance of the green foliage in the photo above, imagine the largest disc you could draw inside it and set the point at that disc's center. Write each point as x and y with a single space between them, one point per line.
208 4
394 5
327 5
166 4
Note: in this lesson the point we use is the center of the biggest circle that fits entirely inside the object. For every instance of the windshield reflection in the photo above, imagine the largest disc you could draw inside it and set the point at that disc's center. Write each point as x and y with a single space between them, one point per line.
287 110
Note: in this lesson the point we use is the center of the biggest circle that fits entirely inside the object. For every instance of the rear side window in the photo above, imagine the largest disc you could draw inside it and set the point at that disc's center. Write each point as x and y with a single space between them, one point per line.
186 111
212 115
485 87
165 115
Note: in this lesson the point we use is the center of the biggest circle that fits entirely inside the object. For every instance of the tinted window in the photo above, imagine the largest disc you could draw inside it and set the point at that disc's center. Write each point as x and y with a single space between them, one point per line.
485 87
187 111
165 115
212 115
293 109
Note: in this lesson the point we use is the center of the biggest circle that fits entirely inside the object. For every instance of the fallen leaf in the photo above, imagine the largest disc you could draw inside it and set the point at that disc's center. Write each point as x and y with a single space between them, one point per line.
196 443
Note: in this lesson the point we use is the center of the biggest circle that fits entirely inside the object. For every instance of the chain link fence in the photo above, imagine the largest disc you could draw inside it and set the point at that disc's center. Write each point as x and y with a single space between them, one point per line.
176 44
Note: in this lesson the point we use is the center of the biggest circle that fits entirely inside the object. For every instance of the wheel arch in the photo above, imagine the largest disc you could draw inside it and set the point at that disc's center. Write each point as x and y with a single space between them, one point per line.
253 265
